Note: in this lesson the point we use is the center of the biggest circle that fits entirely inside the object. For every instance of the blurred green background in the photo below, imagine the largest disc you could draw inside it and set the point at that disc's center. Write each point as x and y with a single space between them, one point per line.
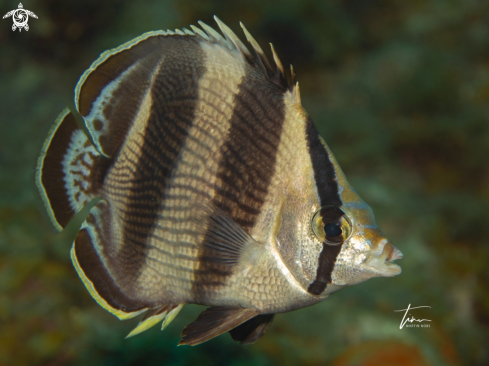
400 92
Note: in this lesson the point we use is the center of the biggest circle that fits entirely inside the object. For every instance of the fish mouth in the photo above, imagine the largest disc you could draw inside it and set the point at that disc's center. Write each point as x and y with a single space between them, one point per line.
384 264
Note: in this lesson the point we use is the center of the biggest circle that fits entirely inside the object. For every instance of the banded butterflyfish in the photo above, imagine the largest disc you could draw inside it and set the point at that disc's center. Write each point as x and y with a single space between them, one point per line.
213 187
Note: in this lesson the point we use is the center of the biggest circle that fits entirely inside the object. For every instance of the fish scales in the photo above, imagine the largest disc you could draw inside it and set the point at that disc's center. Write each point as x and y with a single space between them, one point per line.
214 188
240 187
152 147
194 174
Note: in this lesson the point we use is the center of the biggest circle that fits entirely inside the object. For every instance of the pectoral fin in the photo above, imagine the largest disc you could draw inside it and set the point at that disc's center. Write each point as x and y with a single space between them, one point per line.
252 330
224 240
225 244
215 321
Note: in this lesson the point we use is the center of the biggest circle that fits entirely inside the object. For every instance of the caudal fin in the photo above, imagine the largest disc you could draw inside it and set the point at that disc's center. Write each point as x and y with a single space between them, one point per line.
69 171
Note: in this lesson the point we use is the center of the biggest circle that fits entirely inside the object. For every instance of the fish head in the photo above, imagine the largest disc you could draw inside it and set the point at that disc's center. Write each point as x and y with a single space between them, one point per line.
350 248
333 238
365 251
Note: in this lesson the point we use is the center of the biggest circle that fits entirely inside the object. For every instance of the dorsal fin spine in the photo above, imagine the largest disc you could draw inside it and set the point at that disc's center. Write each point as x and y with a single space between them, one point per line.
188 31
259 54
292 79
297 93
279 68
200 32
233 43
280 77
232 38
213 35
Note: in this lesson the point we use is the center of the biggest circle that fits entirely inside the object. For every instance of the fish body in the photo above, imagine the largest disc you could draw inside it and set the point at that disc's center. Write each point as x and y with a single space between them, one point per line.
214 188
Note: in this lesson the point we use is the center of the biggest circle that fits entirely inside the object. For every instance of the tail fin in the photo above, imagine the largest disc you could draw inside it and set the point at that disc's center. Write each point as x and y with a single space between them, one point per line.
69 171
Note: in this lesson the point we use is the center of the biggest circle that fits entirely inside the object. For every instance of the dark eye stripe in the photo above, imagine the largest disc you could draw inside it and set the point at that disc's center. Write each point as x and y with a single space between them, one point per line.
327 260
324 173
327 187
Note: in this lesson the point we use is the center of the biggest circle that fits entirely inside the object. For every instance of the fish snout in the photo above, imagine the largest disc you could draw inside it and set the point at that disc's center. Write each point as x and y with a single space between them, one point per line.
391 253
383 262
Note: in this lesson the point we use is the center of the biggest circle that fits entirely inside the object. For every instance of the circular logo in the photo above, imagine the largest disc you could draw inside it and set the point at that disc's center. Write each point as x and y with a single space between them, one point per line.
20 18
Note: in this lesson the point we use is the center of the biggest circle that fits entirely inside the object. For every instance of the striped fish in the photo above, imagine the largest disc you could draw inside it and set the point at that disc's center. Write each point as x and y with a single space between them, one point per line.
213 187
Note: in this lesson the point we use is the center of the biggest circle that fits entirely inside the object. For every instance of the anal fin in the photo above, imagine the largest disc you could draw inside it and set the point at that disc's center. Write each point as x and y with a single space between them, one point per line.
252 330
213 322
164 313
97 270
150 319
172 313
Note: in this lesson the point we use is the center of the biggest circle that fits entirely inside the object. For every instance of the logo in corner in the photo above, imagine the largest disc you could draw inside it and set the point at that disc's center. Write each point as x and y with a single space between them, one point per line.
410 319
20 17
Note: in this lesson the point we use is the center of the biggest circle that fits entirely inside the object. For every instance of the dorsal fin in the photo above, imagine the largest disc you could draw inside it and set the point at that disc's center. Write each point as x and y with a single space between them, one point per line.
97 92
258 50
292 78
260 56
188 31
277 76
279 71
213 35
294 85
200 32
231 37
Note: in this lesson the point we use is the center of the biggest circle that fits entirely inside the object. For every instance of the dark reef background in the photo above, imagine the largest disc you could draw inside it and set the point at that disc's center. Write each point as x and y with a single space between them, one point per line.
400 92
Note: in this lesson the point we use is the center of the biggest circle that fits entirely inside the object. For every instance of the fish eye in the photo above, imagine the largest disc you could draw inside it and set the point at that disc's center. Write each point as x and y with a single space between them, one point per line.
331 225
332 229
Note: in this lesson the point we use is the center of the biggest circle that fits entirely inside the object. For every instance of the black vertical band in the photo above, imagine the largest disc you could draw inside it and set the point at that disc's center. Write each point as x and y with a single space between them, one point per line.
246 166
327 187
324 172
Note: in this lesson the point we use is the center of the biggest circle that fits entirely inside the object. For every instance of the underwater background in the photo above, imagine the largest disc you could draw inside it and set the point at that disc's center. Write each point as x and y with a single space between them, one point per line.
400 92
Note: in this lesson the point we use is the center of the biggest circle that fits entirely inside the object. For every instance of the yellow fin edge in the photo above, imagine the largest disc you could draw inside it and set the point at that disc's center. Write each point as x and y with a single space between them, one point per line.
93 292
146 324
151 321
171 315
106 54
40 165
